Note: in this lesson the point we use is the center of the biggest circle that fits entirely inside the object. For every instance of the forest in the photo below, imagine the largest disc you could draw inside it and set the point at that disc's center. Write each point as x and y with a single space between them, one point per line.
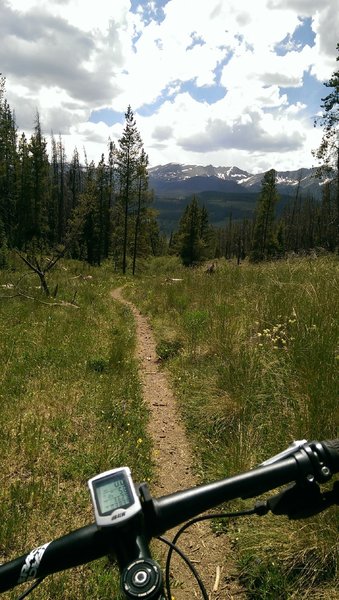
91 212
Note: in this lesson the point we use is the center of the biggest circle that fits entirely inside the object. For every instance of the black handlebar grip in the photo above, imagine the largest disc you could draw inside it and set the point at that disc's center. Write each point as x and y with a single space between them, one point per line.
332 448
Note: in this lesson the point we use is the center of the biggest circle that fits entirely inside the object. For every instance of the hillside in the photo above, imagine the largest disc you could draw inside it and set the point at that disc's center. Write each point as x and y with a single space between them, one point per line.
223 190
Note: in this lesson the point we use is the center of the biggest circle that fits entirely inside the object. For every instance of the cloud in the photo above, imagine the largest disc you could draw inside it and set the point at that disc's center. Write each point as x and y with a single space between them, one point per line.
162 133
244 134
208 81
41 49
307 7
325 24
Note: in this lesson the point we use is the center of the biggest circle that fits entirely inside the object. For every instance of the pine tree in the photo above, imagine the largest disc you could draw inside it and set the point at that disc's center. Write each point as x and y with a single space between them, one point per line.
328 151
40 184
142 196
74 180
130 146
3 247
207 236
264 240
189 234
91 229
328 220
25 211
104 201
8 166
111 183
157 243
53 205
63 197
195 240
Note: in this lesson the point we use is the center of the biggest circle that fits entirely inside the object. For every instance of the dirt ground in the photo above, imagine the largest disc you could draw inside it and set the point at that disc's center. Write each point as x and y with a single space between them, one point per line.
210 554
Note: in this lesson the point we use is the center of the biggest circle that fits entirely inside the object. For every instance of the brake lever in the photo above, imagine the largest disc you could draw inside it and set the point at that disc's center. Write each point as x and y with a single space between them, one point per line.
300 501
296 445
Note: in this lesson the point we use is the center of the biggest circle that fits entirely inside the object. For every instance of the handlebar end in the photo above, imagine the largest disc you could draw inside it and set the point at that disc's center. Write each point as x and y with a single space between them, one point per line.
332 449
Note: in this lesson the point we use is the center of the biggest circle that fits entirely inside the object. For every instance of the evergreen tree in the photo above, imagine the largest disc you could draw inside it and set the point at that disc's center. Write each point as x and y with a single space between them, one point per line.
8 166
74 180
328 151
40 184
207 235
92 220
142 197
63 203
157 243
292 220
25 211
55 193
128 156
3 247
328 227
264 239
195 240
2 87
111 183
104 201
189 234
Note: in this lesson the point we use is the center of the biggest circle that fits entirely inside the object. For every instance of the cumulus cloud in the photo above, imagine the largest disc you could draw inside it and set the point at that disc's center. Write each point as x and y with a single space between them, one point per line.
68 59
162 133
40 49
244 135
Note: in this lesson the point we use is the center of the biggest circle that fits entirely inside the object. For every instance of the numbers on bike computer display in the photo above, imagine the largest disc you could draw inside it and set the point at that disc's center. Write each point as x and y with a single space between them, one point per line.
112 494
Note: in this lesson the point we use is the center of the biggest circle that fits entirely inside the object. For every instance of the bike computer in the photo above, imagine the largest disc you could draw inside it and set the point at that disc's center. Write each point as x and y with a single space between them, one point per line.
114 497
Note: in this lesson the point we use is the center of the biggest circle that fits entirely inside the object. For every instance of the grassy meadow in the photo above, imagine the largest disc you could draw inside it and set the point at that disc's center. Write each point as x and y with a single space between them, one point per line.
253 355
70 408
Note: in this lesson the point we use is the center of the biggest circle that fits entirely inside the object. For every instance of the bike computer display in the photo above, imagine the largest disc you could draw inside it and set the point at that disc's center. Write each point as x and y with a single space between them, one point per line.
114 497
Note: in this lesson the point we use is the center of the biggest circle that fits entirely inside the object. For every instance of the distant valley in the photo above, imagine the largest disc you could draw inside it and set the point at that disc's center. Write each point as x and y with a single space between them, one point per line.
224 191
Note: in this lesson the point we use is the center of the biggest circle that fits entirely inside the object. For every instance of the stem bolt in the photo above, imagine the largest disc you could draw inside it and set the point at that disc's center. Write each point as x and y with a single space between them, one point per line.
325 471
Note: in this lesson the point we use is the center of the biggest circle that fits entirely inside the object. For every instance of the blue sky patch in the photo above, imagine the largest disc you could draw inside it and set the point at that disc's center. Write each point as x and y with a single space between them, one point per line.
221 64
197 40
147 110
151 11
310 92
107 115
205 93
302 35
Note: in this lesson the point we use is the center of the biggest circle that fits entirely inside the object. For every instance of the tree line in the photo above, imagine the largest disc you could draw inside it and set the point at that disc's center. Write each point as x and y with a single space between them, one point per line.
52 204
305 224
88 212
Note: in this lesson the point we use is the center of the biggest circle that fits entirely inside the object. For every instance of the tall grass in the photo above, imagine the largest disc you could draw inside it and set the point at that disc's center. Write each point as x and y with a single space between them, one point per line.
256 367
71 407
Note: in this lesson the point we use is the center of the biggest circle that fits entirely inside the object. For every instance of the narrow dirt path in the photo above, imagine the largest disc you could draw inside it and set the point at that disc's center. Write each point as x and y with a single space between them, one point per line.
173 458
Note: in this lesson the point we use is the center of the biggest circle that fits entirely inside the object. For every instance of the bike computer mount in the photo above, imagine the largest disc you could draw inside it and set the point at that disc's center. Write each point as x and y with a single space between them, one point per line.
114 497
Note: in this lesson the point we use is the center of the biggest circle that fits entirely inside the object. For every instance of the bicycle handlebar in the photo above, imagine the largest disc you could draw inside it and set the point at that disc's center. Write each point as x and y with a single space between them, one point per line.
313 461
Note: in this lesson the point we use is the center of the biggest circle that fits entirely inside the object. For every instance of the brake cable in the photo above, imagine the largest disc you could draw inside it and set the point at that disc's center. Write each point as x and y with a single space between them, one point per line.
35 585
173 546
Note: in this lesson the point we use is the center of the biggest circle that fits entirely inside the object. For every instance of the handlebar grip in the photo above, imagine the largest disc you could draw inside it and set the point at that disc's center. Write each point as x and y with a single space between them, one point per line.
332 449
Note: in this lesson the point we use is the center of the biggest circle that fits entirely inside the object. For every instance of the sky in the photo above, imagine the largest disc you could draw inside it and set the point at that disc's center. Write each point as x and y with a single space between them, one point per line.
221 82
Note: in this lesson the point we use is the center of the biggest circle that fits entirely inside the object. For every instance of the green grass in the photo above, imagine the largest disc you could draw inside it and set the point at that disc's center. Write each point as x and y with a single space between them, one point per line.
71 407
253 353
256 366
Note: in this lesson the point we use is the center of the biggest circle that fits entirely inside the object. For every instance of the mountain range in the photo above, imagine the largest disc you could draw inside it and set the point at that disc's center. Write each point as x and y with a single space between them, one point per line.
223 190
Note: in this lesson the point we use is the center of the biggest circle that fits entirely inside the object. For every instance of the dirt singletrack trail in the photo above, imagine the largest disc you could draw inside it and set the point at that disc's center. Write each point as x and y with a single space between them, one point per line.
210 554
